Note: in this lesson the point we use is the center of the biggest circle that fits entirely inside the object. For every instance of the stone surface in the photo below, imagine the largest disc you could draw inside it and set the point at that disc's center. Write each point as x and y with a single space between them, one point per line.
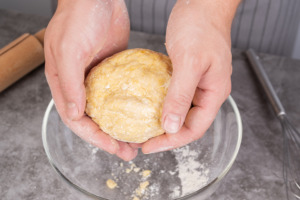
26 174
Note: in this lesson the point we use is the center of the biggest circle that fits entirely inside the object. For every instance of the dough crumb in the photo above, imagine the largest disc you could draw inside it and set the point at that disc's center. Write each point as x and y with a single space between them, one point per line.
111 184
135 198
144 184
137 169
141 190
146 173
132 166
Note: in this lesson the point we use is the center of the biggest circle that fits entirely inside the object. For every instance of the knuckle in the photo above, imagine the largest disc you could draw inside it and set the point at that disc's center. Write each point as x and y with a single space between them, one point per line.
221 58
48 70
182 100
191 61
200 64
49 52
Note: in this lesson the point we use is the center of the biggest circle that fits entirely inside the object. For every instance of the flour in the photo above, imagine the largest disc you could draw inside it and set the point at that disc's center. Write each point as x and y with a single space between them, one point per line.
192 173
152 192
155 179
176 192
94 152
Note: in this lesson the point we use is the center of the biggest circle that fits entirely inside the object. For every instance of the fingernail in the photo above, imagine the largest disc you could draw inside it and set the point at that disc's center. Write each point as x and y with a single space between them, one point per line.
172 123
72 111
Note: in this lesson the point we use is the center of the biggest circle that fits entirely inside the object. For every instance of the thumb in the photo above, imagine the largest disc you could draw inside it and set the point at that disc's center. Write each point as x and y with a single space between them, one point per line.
71 80
184 81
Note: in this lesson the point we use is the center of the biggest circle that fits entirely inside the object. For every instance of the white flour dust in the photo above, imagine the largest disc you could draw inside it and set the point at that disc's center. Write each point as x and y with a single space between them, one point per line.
192 173
176 192
94 151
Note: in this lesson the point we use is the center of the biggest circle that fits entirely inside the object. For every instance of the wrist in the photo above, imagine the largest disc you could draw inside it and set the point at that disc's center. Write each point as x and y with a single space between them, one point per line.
85 5
218 13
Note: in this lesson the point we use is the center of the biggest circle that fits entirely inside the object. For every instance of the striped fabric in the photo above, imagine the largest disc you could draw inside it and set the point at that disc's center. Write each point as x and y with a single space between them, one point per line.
268 26
149 16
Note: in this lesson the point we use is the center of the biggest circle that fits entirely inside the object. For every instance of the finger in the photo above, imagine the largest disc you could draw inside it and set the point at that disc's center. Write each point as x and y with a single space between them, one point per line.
84 127
164 142
70 69
90 132
53 82
206 106
136 145
126 152
185 78
197 122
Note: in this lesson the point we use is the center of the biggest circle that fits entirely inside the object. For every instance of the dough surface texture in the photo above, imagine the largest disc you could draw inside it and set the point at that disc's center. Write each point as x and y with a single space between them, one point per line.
125 94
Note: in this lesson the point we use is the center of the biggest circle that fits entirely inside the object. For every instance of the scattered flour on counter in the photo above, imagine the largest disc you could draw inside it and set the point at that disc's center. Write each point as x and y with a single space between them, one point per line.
94 152
191 172
176 192
152 191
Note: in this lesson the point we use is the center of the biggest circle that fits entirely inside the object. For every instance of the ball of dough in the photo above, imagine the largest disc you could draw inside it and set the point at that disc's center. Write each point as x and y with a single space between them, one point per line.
125 94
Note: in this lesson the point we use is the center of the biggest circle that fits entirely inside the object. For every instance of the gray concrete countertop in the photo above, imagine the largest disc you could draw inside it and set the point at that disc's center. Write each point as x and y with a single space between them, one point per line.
257 173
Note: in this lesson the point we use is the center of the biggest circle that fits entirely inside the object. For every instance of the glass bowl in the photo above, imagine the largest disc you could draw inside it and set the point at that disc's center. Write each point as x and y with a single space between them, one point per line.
190 172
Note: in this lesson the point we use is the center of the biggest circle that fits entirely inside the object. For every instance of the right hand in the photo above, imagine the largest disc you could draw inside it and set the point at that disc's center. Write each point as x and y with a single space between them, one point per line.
80 35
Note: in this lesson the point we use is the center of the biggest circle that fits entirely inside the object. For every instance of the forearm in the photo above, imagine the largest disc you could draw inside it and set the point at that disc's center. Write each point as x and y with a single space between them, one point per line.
87 7
85 3
219 13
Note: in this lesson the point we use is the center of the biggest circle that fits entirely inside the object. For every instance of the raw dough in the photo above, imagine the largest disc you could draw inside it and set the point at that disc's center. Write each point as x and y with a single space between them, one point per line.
111 184
125 94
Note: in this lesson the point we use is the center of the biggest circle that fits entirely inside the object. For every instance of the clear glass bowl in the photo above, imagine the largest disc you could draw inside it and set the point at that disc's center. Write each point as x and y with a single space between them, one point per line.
190 172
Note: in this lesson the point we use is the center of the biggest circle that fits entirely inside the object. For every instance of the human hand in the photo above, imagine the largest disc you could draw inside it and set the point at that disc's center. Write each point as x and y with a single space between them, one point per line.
80 34
198 43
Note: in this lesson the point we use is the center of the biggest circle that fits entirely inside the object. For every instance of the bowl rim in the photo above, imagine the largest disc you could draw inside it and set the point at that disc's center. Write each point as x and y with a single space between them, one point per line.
214 181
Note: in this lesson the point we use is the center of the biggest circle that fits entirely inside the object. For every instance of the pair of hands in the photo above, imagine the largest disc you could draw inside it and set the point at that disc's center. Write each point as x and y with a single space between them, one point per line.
82 33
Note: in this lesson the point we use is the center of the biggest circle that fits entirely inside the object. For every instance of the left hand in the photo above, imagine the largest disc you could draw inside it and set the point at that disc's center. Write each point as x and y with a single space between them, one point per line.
80 34
198 43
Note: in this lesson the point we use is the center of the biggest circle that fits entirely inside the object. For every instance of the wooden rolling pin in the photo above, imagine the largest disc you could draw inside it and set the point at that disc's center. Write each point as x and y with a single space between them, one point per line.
20 57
